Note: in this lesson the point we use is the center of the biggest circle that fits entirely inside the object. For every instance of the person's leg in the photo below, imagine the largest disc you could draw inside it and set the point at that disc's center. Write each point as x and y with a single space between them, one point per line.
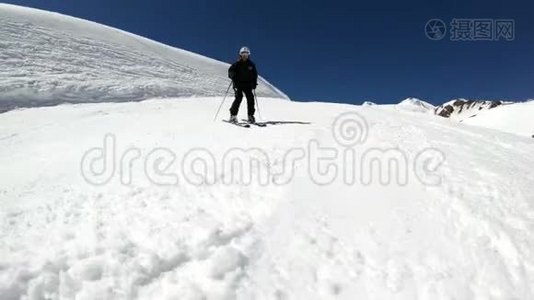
250 102
237 102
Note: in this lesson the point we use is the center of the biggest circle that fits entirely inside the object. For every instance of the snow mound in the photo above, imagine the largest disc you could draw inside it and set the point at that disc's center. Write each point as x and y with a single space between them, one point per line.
415 105
514 118
368 103
49 58
461 109
453 220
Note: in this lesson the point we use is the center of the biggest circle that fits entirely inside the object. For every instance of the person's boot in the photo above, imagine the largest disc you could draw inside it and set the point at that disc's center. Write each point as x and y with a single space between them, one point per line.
251 119
233 119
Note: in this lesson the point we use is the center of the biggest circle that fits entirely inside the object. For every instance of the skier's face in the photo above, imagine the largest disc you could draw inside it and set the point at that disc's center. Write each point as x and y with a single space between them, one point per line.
244 56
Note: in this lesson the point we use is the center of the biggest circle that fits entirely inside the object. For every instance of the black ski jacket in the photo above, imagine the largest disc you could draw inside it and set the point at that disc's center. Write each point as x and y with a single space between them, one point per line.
244 74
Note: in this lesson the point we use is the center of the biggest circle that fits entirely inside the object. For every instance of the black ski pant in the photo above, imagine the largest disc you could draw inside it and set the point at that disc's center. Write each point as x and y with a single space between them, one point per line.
239 97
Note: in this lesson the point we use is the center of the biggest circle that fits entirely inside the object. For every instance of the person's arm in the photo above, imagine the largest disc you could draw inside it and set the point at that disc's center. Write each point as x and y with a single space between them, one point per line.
231 71
255 75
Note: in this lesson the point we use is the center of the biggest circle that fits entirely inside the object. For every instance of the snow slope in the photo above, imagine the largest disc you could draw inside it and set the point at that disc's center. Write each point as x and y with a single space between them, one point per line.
48 58
514 118
455 222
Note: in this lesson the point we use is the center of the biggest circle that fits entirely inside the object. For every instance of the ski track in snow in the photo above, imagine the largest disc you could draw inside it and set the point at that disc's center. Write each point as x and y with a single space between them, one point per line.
469 238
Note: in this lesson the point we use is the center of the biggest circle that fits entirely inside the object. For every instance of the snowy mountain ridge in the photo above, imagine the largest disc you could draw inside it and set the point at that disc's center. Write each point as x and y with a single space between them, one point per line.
415 105
49 58
514 118
461 109
506 116
368 103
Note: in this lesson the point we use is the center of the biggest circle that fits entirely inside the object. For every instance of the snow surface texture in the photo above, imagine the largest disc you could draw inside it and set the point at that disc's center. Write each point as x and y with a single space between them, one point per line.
515 118
48 58
456 221
469 235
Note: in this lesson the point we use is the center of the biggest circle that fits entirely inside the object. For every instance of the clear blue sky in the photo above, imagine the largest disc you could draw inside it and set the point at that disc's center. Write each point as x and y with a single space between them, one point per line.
341 51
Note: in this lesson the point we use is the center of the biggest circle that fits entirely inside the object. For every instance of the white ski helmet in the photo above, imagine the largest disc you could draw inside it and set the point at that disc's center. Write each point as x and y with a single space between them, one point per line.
244 50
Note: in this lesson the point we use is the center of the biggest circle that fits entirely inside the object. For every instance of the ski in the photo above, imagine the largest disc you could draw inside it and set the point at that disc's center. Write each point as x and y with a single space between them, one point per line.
256 124
244 125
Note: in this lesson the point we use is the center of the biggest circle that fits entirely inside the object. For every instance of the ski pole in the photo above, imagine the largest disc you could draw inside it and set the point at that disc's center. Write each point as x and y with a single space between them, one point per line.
226 94
257 104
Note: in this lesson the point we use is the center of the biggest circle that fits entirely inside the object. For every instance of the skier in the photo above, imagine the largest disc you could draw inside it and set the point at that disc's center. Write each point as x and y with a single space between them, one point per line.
245 79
